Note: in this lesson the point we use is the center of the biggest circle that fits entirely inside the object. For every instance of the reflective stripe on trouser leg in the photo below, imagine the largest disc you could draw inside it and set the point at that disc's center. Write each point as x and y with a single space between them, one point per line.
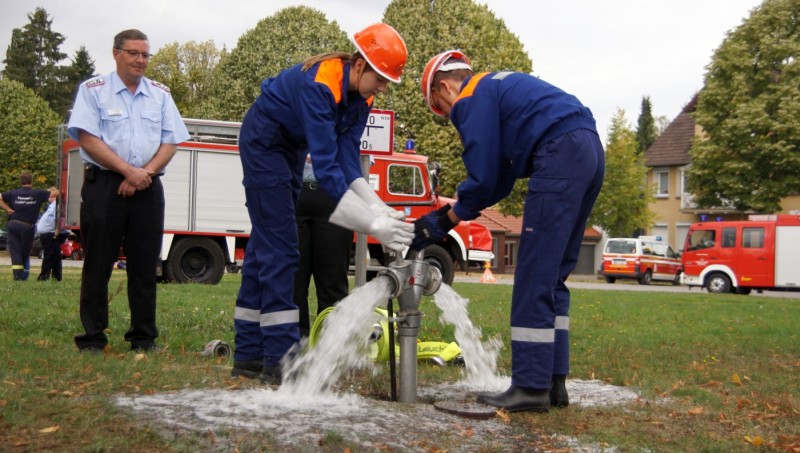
268 277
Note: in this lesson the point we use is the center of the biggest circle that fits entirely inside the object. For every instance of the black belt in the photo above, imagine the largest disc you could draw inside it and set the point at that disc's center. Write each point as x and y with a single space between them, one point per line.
90 171
29 225
312 185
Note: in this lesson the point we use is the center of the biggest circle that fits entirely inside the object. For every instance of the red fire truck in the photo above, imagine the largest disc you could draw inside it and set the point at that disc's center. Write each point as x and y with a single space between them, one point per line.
739 256
206 225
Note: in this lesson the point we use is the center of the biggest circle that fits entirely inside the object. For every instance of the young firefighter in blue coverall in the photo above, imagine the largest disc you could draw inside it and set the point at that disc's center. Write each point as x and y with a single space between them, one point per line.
514 125
319 107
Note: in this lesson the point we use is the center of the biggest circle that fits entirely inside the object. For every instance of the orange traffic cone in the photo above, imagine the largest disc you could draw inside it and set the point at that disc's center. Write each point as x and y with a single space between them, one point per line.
487 276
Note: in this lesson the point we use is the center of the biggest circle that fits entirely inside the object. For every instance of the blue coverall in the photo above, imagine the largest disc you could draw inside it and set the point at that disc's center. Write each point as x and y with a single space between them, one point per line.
514 125
297 113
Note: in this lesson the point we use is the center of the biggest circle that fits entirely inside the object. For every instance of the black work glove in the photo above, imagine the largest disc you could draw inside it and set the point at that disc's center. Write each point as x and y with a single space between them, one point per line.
431 228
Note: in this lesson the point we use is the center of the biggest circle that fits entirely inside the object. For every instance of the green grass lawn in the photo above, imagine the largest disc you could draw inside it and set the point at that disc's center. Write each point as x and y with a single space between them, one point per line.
716 372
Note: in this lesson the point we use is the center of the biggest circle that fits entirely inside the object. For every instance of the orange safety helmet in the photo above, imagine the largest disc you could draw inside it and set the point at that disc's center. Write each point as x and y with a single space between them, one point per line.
437 64
384 50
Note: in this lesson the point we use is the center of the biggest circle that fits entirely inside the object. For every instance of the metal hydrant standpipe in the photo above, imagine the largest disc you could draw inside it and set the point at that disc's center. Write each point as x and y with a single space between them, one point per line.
412 279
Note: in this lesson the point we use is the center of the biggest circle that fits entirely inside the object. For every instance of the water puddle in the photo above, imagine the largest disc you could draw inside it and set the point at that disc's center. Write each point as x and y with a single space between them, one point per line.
307 405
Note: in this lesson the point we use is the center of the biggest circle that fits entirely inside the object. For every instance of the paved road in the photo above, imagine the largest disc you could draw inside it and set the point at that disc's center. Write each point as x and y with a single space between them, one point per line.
592 282
577 281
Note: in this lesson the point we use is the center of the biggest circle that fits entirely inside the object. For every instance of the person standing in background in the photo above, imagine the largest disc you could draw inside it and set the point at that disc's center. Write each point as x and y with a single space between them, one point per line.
52 236
128 128
324 250
22 205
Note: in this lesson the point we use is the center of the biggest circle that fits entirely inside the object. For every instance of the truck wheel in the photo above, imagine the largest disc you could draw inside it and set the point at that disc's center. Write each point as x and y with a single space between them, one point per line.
718 283
197 260
646 278
438 257
677 280
611 279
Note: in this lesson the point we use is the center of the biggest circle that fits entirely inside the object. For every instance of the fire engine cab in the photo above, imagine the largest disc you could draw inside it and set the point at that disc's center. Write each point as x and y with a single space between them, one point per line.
739 256
645 259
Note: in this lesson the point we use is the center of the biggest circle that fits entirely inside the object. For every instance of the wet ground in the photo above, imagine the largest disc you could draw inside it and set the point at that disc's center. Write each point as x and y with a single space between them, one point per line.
295 424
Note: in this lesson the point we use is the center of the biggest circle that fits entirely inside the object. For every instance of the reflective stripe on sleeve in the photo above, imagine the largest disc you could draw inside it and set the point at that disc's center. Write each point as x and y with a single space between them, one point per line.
562 322
533 335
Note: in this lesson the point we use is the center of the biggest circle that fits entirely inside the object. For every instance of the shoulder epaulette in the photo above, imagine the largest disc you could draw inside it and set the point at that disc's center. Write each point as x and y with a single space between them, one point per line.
159 85
99 81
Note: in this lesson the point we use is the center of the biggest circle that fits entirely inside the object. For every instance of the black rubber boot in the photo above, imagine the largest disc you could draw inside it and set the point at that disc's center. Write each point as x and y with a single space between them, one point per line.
517 399
250 369
271 375
558 391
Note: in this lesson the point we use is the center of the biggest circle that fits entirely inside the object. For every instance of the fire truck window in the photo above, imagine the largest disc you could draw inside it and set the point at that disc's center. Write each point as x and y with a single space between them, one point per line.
621 247
729 237
753 237
659 250
701 239
405 180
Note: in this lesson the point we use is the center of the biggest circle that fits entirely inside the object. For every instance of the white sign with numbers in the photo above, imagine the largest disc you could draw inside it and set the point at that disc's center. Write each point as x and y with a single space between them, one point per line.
378 136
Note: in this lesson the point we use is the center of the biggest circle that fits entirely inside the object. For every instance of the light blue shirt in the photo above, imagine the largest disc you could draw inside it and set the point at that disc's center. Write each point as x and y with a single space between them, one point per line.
132 125
47 223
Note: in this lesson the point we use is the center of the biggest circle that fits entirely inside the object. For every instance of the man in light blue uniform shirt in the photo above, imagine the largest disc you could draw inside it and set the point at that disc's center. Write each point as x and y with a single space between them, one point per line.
128 128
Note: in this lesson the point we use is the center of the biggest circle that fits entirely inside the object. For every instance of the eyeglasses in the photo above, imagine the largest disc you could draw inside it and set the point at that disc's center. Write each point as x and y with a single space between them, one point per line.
136 54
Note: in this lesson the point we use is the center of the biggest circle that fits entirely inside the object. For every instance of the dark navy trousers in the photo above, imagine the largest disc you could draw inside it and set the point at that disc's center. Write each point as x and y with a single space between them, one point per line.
567 177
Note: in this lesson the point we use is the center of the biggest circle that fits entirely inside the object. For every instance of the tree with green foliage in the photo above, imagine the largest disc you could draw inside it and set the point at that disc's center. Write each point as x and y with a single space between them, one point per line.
646 132
277 42
622 206
188 70
749 109
432 27
28 136
82 68
33 57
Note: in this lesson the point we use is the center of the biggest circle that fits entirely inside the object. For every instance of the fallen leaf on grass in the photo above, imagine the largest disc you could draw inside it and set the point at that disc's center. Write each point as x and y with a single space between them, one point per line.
756 441
139 357
736 379
696 411
50 429
503 415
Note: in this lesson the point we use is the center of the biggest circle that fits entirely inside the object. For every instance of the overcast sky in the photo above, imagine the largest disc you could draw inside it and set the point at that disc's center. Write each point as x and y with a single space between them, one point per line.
608 53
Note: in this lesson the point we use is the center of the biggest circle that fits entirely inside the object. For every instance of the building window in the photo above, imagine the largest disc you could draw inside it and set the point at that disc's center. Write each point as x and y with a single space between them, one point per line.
684 182
662 183
510 253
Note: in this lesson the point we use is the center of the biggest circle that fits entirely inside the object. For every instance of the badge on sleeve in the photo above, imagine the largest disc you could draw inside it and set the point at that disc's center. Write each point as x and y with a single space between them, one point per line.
159 85
95 82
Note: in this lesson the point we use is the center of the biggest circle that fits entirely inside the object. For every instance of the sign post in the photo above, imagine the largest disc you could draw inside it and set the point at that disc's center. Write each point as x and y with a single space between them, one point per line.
377 139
